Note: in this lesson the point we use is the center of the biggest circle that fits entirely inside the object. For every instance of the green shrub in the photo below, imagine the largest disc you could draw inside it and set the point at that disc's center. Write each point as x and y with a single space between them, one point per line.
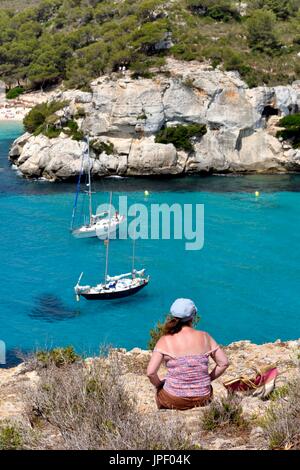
51 132
142 117
80 113
10 437
292 120
261 31
35 120
58 357
234 60
254 77
180 136
219 10
280 392
291 129
71 129
226 411
141 70
43 120
14 92
283 9
100 147
155 334
146 37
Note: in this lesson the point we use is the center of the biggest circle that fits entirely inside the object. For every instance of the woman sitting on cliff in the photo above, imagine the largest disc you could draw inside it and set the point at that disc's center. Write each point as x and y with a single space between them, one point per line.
185 352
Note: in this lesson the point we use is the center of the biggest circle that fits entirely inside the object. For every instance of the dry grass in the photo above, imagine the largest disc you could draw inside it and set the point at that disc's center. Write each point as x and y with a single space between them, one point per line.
15 435
225 412
282 420
44 358
88 407
136 365
10 437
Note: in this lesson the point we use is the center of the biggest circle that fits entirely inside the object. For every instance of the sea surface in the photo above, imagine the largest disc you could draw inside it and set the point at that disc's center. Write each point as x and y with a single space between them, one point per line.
245 281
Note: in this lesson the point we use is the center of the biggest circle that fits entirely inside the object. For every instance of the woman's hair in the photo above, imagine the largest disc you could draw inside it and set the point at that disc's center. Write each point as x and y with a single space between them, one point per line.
174 325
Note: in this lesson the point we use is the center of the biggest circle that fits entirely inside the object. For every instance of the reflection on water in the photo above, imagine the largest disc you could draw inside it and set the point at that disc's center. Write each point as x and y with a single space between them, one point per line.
50 308
12 183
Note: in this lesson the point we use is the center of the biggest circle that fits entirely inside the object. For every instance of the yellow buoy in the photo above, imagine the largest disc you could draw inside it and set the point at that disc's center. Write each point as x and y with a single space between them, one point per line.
146 193
257 193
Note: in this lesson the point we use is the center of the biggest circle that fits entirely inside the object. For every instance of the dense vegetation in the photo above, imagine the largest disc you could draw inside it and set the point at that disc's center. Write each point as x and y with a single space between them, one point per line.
43 119
41 116
76 40
181 135
291 131
13 93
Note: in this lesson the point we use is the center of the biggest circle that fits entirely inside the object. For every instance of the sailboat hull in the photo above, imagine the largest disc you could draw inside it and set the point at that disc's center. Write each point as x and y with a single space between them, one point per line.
99 229
114 295
91 232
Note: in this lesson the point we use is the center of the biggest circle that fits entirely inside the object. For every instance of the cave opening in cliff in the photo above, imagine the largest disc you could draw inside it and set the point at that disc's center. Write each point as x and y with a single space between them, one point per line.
270 111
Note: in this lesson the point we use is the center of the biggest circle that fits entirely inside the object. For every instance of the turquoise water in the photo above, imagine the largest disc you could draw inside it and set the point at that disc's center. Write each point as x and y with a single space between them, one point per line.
245 281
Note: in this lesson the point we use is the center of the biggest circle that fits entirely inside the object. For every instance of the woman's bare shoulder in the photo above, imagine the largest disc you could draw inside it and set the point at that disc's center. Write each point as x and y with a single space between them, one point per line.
210 340
161 342
202 333
206 337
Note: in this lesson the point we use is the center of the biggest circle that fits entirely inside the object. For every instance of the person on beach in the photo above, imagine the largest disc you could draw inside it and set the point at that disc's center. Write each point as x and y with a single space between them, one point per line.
186 353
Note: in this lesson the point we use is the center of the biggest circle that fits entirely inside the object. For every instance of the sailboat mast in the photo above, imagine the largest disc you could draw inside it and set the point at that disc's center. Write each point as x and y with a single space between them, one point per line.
133 256
89 181
77 191
108 236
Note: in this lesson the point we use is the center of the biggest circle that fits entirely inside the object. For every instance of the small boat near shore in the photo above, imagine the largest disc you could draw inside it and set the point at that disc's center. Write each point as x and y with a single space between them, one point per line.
97 224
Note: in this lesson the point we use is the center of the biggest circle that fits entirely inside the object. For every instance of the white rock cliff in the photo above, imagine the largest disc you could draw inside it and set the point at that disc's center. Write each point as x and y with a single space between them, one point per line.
128 113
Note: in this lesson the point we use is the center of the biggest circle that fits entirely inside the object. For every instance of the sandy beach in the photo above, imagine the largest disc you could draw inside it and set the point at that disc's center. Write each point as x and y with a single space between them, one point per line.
16 110
13 113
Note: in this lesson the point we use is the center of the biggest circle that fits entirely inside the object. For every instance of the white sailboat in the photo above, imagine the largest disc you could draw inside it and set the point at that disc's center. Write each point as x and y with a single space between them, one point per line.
115 287
97 225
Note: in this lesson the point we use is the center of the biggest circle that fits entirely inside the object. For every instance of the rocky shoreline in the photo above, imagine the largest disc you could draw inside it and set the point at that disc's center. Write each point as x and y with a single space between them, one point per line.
124 115
244 357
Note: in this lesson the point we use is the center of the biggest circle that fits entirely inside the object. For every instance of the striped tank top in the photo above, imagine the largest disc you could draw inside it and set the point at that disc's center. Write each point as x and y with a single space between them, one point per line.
188 376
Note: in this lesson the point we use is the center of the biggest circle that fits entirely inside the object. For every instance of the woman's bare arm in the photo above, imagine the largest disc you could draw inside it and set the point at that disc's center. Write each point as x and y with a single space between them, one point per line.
152 369
220 359
222 363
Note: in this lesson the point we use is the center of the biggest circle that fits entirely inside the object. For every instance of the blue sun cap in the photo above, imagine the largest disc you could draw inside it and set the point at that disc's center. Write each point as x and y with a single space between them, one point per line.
185 309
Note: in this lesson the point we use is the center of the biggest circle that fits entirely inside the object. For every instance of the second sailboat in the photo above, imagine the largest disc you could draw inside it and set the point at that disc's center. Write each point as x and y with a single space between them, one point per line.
96 225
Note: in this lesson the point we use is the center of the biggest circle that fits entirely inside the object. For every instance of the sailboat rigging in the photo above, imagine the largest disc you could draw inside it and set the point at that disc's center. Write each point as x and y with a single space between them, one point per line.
115 287
97 225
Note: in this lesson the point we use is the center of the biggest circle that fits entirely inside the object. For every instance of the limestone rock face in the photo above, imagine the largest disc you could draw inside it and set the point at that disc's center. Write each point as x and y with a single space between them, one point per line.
148 158
126 104
182 104
287 98
51 158
260 151
126 114
230 109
